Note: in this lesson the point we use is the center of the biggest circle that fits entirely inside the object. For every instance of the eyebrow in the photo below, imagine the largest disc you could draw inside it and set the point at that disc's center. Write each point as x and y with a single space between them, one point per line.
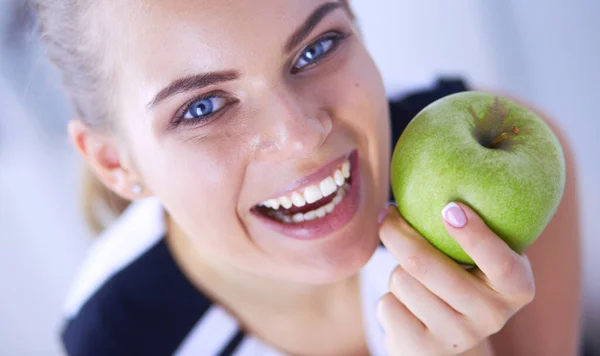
193 82
199 81
313 20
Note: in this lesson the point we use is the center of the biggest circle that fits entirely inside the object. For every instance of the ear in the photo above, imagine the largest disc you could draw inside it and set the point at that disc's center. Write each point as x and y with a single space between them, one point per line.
107 160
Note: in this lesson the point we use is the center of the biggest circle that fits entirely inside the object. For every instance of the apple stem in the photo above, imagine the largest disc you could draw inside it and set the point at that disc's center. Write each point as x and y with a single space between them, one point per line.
506 136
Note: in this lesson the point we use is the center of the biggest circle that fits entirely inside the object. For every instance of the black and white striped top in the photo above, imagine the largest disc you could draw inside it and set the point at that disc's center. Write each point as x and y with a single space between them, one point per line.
130 298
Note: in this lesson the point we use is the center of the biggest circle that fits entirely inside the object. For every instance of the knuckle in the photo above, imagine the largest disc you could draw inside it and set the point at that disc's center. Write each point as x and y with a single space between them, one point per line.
398 224
508 268
523 289
385 229
382 307
529 294
396 278
389 229
384 303
387 307
416 265
526 293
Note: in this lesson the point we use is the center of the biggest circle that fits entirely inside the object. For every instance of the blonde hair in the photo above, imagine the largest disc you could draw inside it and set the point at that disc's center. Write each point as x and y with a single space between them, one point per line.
100 205
74 40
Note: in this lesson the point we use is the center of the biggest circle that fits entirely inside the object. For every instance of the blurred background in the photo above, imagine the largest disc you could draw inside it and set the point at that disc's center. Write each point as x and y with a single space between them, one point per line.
548 53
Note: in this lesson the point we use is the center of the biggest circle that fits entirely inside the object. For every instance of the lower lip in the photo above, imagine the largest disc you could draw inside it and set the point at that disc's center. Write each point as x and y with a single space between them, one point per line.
320 228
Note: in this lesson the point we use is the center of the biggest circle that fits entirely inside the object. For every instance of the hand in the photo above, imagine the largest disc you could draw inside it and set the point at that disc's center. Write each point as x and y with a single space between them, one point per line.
436 307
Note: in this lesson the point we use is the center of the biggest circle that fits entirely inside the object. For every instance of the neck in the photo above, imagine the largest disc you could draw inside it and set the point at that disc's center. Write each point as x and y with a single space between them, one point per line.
244 292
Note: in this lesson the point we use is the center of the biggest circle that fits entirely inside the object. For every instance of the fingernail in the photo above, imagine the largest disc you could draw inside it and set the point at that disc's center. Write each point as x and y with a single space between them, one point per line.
454 215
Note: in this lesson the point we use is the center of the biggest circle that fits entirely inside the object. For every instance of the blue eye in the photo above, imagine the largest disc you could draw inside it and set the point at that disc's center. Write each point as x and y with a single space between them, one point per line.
317 51
204 107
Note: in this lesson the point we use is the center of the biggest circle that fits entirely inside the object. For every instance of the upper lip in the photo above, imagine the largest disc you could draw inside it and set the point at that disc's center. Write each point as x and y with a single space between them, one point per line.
314 178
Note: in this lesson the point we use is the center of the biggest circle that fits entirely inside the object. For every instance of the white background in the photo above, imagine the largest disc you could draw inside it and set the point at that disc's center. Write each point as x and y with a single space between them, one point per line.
545 52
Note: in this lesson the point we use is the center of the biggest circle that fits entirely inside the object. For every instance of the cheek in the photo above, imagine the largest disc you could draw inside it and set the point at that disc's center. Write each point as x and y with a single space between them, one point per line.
366 91
199 184
361 103
357 94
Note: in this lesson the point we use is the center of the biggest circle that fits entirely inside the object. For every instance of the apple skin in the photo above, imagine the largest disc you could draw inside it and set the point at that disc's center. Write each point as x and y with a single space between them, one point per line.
515 187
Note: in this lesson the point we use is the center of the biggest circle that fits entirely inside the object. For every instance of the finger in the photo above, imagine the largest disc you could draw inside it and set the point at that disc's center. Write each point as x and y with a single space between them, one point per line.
508 272
487 313
393 315
439 317
402 328
438 273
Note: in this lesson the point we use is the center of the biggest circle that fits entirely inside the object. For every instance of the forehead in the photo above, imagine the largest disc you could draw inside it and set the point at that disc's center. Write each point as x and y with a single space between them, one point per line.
172 38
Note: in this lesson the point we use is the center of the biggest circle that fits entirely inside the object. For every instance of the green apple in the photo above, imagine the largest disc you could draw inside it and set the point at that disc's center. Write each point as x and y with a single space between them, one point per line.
492 154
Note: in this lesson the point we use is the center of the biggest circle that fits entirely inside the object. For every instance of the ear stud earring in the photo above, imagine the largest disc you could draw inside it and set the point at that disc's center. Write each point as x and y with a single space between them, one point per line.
137 189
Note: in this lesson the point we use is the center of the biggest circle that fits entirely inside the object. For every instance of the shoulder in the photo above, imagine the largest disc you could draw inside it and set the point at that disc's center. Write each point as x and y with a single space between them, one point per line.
130 297
120 245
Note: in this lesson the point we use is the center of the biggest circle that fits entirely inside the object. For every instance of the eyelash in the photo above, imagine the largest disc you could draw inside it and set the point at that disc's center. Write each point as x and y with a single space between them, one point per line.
180 119
337 37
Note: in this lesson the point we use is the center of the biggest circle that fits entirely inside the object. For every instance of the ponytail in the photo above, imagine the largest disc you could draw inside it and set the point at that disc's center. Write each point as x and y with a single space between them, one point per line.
101 206
69 29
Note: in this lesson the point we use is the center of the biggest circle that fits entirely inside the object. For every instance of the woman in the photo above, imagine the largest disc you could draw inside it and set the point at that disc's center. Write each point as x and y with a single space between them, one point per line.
254 137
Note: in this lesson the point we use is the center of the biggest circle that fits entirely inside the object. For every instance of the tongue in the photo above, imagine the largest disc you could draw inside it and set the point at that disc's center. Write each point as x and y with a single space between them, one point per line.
310 207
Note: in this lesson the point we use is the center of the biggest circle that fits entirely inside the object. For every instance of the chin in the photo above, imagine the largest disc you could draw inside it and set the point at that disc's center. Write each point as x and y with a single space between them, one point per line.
338 262
327 237
333 258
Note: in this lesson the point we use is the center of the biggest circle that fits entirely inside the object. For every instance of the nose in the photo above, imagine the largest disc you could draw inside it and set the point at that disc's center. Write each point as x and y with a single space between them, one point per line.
291 126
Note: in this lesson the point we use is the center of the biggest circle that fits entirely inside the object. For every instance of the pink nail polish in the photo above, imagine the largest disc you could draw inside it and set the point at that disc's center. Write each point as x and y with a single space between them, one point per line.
454 215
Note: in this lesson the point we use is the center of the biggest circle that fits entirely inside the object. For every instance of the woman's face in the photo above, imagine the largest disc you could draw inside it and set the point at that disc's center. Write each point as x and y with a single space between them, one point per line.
228 106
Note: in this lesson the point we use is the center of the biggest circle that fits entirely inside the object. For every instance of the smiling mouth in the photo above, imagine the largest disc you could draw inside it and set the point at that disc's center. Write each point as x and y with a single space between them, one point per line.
310 203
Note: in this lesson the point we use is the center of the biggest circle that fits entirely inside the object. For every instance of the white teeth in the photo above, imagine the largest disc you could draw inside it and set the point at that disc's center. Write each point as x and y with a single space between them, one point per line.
328 187
273 204
310 216
339 178
338 199
298 200
321 212
329 207
286 202
312 194
314 214
346 169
